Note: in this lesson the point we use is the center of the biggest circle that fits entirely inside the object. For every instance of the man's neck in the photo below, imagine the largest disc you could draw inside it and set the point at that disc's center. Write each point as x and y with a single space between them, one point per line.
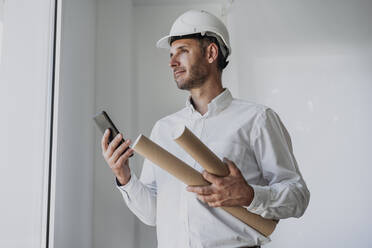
202 96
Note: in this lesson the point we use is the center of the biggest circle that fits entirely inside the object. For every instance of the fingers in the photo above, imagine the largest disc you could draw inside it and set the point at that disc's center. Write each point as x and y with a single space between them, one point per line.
207 194
218 181
201 190
113 144
215 200
115 156
234 170
125 156
210 198
104 140
223 191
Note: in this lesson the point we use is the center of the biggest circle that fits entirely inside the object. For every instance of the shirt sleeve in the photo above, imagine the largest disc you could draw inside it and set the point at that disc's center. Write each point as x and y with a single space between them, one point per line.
286 194
140 194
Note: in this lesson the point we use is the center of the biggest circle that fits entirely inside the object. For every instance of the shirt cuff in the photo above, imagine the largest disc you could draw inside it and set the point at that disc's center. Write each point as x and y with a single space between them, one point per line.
131 187
260 199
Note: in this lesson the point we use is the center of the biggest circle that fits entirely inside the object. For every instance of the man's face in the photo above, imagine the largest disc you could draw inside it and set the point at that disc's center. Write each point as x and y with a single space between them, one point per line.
189 65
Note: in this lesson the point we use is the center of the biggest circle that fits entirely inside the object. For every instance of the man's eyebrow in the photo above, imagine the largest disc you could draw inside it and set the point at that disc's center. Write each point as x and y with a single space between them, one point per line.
181 47
178 48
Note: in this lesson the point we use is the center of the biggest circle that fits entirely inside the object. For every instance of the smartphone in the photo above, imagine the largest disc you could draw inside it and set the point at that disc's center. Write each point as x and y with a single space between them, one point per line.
104 122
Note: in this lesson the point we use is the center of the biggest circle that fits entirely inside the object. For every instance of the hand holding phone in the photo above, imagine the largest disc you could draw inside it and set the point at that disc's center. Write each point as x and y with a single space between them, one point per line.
115 149
104 122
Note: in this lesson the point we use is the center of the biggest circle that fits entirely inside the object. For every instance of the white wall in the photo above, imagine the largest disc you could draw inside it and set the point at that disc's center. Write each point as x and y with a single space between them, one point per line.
311 62
73 147
2 4
25 78
113 224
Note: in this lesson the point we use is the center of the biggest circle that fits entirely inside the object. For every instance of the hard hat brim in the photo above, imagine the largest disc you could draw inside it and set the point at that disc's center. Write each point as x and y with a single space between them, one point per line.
163 42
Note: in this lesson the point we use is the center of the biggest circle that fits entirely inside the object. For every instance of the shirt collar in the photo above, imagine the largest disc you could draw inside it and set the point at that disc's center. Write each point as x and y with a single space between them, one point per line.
218 103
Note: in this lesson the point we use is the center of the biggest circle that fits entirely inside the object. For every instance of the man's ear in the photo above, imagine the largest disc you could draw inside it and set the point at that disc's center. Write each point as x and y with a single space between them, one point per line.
212 53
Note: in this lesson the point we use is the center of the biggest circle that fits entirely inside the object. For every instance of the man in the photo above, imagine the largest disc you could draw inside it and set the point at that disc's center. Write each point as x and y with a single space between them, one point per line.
264 177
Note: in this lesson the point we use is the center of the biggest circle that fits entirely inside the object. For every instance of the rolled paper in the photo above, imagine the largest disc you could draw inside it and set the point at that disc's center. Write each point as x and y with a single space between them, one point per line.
168 161
211 163
192 177
199 151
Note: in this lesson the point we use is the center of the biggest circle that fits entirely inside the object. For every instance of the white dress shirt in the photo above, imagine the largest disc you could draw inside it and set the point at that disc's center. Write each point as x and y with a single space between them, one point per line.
249 134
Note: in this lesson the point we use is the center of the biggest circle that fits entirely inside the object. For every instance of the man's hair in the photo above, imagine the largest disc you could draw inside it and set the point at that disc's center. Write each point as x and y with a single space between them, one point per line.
204 41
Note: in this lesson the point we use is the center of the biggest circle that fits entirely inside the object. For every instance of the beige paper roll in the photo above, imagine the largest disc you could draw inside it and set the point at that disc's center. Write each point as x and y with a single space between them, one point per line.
168 161
190 176
211 163
200 152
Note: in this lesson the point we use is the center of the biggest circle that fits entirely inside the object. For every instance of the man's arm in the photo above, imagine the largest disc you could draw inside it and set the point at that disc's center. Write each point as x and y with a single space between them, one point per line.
285 194
140 196
231 190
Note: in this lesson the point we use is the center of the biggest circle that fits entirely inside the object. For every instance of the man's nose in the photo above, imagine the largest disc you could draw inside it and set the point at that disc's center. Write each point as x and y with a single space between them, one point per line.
173 62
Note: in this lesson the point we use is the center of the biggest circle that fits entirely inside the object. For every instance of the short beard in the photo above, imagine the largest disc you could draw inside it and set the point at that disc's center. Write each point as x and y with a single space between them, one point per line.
198 76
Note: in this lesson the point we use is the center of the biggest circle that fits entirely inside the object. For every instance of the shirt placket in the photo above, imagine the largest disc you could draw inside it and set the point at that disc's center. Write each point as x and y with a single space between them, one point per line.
200 133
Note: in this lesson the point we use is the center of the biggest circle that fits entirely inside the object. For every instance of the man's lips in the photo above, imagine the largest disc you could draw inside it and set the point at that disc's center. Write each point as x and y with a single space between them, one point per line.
177 73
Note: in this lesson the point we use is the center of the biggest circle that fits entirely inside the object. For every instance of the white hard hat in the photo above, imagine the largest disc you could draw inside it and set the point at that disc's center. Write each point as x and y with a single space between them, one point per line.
199 21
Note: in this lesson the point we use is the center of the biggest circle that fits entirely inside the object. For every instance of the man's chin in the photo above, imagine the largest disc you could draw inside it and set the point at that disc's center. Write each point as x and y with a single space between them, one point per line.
182 85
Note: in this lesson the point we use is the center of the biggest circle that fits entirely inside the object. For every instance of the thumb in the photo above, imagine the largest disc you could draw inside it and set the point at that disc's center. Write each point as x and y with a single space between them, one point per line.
232 167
